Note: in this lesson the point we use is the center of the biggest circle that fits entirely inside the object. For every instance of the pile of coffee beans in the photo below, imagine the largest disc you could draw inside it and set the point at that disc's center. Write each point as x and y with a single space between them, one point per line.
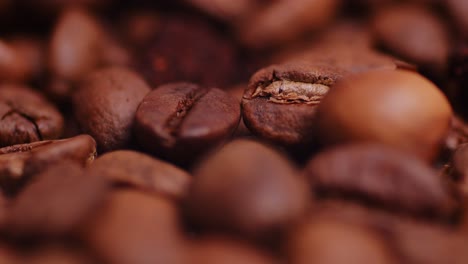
234 132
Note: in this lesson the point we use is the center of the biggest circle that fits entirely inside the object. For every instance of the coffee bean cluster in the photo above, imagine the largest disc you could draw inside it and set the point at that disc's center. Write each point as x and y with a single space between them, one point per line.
234 132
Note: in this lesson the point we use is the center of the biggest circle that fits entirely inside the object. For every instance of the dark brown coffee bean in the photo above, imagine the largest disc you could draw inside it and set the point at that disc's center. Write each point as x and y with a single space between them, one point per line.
459 167
281 21
19 162
249 189
386 107
458 134
140 27
214 250
460 161
21 59
180 121
415 33
143 172
280 101
209 60
458 10
237 92
56 203
105 106
381 176
26 116
459 75
332 242
137 228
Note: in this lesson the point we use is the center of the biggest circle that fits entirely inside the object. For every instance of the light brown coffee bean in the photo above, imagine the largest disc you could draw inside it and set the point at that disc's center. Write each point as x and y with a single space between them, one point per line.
398 108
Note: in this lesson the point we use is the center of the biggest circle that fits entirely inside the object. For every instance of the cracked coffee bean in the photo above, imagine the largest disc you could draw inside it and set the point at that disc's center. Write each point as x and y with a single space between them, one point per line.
105 106
333 242
19 162
143 172
26 116
135 227
280 101
55 203
248 189
181 121
382 177
398 108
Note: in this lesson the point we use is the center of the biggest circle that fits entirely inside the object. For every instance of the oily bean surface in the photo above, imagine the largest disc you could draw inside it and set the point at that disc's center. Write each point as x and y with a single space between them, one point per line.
181 120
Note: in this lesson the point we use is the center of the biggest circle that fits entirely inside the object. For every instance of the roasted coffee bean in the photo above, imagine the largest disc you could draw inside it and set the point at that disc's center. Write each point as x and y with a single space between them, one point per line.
55 203
57 255
237 92
75 46
140 27
79 45
209 60
280 101
381 176
460 161
425 243
282 21
415 33
249 189
105 106
137 228
458 134
226 10
216 249
180 121
458 10
386 107
459 74
21 59
19 162
332 242
459 167
143 172
26 116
